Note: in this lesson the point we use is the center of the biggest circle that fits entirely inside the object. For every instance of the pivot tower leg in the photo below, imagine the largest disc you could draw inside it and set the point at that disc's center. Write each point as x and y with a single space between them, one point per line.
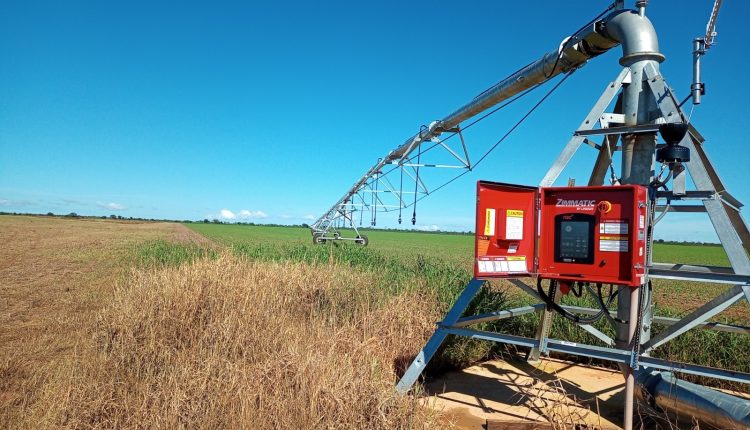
425 355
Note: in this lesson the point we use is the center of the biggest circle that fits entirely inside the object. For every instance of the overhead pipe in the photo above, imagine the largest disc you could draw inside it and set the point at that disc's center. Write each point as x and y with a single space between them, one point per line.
572 53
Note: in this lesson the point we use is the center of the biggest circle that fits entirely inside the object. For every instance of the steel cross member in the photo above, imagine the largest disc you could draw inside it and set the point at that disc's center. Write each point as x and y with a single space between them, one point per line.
455 325
437 338
594 116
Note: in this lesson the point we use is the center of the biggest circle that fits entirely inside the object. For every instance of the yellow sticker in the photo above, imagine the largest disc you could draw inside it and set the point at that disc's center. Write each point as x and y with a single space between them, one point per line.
515 258
489 222
514 213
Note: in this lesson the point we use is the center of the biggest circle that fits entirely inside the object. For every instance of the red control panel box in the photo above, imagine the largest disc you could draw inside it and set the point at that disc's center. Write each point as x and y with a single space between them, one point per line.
505 230
589 234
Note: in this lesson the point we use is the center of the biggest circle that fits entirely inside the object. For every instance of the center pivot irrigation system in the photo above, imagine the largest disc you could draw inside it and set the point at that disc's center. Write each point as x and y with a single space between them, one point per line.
596 240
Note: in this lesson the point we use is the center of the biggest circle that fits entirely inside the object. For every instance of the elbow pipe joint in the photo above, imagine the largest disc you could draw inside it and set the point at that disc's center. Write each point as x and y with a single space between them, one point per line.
636 34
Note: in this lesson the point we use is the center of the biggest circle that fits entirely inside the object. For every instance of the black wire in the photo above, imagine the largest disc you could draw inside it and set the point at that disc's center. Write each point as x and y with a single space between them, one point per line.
505 136
375 194
401 195
549 300
684 100
605 306
578 293
362 212
471 124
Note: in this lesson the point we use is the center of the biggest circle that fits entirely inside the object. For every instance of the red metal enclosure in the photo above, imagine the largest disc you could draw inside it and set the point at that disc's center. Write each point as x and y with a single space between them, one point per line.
594 234
589 234
505 230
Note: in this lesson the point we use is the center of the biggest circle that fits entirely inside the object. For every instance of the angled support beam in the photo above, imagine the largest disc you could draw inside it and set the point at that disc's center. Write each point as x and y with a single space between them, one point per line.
604 159
545 323
588 124
598 334
697 317
525 288
438 337
498 315
604 353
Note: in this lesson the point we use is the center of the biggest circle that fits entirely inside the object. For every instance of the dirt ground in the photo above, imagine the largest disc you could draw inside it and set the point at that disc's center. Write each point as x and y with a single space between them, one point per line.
500 391
54 275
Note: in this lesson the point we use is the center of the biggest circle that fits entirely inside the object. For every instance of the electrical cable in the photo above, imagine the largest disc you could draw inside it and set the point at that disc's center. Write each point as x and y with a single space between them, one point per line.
501 140
471 124
505 136
611 6
362 212
376 199
661 215
578 293
549 299
605 306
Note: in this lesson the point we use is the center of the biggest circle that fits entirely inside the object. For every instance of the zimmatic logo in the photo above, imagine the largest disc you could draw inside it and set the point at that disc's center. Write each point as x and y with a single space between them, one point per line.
569 203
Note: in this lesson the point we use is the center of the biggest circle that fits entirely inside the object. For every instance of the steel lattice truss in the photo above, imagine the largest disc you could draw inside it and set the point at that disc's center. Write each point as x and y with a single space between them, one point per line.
398 184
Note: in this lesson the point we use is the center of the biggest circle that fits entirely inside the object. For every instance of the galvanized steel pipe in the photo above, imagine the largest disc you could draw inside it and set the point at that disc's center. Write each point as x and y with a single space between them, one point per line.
573 52
685 401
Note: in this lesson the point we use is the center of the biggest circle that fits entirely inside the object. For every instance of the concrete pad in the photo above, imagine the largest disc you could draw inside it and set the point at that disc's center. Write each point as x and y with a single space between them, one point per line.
555 391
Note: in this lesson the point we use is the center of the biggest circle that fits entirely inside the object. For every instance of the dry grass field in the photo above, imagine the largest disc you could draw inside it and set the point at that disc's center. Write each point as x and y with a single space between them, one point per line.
55 275
119 324
90 338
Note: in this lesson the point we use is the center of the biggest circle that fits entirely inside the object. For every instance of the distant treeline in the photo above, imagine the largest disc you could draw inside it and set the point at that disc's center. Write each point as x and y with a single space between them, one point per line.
674 242
218 221
303 225
114 217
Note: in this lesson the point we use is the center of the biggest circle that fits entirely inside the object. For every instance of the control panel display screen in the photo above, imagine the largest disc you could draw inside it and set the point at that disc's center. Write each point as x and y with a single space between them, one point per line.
574 238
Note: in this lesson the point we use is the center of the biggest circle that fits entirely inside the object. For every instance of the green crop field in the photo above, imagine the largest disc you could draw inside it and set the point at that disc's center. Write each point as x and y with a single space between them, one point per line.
440 265
455 247
398 249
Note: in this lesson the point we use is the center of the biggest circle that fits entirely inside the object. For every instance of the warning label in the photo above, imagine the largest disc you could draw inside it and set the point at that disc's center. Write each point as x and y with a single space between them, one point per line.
513 224
515 264
617 227
613 244
482 246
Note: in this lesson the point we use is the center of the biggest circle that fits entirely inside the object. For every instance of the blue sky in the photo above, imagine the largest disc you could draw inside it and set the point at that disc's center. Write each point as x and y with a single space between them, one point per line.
187 110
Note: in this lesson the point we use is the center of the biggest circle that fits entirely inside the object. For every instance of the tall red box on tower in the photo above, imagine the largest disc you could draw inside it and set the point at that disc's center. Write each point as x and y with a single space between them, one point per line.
588 234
